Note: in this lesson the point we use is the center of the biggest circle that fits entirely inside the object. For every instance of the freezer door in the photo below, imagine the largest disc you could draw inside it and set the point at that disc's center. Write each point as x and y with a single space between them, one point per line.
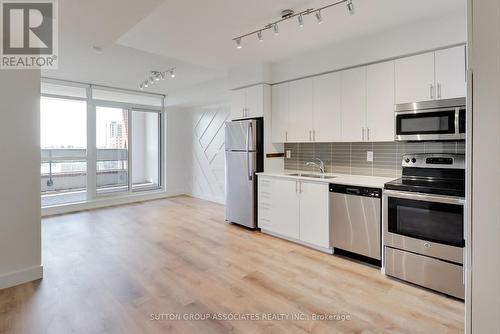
240 188
241 135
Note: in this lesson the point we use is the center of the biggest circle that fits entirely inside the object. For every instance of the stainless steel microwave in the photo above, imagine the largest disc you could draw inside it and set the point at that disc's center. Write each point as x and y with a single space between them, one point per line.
431 120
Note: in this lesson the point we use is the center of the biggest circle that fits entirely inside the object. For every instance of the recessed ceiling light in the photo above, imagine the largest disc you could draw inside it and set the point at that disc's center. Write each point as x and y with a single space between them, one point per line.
97 49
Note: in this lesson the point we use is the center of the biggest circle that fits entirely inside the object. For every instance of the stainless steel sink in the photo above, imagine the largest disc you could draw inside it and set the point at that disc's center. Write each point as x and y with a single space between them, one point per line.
314 176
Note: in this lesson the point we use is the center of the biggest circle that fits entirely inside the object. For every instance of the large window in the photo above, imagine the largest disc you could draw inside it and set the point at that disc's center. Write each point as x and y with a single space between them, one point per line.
112 137
128 142
63 150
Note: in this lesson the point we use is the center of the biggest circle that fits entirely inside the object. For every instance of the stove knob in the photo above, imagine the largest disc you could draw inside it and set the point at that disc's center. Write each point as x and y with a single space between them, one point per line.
413 160
407 160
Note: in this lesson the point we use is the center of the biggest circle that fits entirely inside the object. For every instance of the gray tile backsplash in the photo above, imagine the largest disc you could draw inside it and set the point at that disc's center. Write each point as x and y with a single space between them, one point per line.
350 158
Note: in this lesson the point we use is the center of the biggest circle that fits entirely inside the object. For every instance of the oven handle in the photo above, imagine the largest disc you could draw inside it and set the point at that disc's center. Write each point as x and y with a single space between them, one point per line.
425 197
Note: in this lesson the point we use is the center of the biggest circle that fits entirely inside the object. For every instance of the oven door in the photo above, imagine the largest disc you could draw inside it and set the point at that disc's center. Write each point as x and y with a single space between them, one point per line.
425 224
436 124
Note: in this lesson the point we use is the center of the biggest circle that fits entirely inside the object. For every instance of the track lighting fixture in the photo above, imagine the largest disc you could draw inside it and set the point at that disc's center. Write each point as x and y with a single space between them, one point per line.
319 18
155 76
288 14
301 20
350 7
238 43
276 30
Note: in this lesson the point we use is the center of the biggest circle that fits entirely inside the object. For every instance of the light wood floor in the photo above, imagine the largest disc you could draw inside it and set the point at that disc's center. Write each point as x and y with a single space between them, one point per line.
107 271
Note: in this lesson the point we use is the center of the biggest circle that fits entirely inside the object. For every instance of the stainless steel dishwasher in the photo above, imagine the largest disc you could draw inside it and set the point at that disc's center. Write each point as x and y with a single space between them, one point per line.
356 220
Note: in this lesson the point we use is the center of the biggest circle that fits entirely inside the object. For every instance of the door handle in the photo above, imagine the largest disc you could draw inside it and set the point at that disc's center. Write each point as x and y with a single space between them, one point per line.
249 169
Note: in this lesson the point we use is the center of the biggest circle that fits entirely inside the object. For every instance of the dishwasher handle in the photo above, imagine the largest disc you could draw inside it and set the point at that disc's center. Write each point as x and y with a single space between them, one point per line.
355 190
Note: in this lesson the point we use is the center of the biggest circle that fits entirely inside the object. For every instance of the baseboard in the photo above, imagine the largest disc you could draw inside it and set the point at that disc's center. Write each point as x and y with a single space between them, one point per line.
218 200
20 277
103 202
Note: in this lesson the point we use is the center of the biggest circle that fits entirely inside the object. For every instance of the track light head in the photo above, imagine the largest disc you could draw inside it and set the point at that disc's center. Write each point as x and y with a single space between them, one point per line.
319 18
172 73
350 7
238 43
141 86
276 29
301 20
146 84
259 36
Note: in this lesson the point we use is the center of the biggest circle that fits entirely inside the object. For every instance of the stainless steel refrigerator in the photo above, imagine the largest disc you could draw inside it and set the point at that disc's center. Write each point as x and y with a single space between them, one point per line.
244 157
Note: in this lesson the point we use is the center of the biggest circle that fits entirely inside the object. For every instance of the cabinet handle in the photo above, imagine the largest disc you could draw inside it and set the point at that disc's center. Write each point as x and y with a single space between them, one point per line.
432 91
363 134
300 187
368 133
286 135
310 138
439 90
314 135
296 186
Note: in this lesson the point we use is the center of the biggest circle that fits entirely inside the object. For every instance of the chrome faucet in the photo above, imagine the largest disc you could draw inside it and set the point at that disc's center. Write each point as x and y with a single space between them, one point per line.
320 165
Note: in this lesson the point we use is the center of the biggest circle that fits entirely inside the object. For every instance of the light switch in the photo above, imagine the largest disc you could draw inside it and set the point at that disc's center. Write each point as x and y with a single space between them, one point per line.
369 156
288 154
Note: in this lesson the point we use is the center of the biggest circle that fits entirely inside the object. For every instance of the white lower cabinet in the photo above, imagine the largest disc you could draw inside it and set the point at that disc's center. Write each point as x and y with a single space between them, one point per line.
295 209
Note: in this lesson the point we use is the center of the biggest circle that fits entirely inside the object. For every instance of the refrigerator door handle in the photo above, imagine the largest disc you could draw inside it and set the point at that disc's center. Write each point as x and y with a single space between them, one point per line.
249 168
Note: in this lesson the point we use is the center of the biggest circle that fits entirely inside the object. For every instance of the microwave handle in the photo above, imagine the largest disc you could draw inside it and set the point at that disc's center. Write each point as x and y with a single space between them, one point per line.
425 197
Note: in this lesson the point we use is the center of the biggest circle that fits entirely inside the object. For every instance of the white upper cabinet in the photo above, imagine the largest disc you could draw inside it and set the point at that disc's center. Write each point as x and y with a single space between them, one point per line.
450 73
238 103
248 102
314 214
415 78
327 121
300 116
353 102
380 102
279 114
431 76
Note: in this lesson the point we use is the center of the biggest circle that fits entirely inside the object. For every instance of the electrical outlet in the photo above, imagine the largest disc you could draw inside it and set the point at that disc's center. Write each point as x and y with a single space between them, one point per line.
288 154
369 156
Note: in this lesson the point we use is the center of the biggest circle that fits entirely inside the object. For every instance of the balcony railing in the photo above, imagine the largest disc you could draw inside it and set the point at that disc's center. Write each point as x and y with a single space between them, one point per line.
65 170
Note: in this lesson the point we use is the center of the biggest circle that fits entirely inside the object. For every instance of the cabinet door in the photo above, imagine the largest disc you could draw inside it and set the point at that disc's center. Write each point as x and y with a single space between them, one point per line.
314 214
380 102
327 121
285 208
450 73
238 104
264 208
300 116
415 78
353 101
255 101
279 112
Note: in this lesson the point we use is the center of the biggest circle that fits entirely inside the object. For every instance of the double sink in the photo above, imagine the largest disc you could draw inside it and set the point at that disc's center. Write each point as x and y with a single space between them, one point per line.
314 176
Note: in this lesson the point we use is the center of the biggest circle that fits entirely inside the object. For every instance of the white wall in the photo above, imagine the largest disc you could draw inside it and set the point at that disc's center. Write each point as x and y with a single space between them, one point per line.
399 41
20 231
484 52
204 150
176 150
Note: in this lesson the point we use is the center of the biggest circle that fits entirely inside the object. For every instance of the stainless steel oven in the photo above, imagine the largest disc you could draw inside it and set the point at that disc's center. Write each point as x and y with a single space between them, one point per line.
423 223
431 120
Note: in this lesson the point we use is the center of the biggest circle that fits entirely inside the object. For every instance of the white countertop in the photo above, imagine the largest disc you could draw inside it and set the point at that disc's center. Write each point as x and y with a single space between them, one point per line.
353 180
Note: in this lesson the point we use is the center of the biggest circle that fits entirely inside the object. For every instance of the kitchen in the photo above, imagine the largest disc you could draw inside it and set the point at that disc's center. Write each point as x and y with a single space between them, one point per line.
374 164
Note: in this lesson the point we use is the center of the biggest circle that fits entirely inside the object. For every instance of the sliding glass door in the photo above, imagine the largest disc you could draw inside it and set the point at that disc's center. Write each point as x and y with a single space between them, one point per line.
63 141
112 142
146 150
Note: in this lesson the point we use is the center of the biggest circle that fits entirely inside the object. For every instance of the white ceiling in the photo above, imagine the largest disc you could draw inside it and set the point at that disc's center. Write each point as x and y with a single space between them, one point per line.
195 35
